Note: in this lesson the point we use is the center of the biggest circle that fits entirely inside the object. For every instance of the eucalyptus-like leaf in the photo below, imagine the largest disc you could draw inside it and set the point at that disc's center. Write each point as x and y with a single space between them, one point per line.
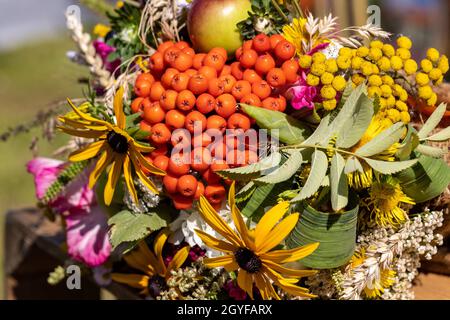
382 142
442 135
431 151
387 167
286 171
433 121
338 183
356 126
409 144
353 165
320 135
319 168
252 171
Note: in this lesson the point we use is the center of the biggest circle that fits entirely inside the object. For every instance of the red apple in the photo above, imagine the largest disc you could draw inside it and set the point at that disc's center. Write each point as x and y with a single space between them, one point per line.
212 23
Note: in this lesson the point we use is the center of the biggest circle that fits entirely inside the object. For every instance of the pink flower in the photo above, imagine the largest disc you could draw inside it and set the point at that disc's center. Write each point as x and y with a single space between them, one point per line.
302 95
234 291
45 172
87 236
104 50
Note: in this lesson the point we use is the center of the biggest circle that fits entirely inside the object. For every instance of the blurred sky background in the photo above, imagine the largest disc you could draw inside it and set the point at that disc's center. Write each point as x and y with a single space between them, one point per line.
34 70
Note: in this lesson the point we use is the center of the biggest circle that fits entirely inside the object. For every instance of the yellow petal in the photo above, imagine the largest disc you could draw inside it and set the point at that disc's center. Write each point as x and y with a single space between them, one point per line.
287 271
231 193
278 234
245 282
268 222
129 179
137 260
226 262
87 117
141 148
158 246
133 280
214 243
178 260
241 227
85 125
90 134
288 285
285 256
265 287
139 159
113 177
118 109
87 152
216 222
144 250
100 166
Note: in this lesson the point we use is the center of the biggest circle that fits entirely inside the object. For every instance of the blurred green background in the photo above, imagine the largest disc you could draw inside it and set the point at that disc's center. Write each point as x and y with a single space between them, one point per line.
35 72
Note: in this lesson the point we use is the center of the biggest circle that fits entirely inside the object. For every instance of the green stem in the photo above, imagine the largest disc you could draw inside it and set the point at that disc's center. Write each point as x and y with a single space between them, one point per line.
277 7
298 8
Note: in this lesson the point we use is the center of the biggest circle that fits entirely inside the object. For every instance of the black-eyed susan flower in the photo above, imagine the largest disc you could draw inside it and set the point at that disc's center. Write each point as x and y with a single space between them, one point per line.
118 151
249 252
156 273
296 33
384 203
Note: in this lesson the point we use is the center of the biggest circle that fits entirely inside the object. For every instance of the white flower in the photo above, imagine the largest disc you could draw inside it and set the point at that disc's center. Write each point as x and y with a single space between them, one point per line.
332 51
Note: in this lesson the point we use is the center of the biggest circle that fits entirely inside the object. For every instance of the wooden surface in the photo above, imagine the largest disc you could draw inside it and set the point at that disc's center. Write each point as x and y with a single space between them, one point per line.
432 287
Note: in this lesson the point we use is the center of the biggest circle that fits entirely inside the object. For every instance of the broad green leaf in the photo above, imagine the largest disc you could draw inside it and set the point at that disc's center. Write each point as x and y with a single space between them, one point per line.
245 192
431 151
280 125
320 135
325 182
426 180
353 165
286 171
141 134
386 167
382 142
357 125
442 135
433 121
319 168
335 232
252 171
338 182
127 226
409 144
131 119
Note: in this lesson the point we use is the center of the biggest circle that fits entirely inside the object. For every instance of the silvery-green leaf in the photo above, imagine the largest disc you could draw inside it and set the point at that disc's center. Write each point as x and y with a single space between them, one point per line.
252 171
433 121
355 126
442 135
338 182
319 168
353 165
285 171
387 167
320 134
431 151
408 145
325 182
382 142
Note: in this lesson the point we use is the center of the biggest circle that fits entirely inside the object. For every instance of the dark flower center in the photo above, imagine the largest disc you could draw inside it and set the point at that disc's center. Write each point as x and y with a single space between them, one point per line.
156 284
247 260
117 142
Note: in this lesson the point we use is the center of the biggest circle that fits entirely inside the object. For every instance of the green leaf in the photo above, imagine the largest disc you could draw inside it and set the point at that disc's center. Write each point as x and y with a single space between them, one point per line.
408 145
280 125
319 168
426 180
286 171
442 135
320 135
131 119
127 226
357 125
252 171
246 192
387 167
433 121
338 182
141 135
431 151
353 165
335 232
382 142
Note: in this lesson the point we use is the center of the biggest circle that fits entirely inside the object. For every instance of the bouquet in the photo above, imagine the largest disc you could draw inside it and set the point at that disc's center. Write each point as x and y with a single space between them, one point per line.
248 151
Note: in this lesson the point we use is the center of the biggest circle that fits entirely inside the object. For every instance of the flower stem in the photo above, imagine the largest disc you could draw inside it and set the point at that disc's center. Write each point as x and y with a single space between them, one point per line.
298 8
277 7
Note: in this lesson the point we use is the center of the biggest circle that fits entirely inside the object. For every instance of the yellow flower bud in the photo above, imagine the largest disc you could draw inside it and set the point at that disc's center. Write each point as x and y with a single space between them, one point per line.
426 65
384 64
339 83
375 81
367 68
319 57
318 69
356 63
433 55
345 52
404 42
374 91
443 64
312 80
330 104
405 117
332 66
358 79
388 50
401 106
422 79
386 91
433 99
390 102
375 54
404 95
376 44
343 63
393 115
410 66
327 78
387 80
305 61
328 92
425 92
435 74
403 53
439 81
396 63
362 52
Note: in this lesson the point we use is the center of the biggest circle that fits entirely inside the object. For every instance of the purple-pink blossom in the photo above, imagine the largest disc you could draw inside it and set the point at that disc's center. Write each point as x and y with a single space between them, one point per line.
45 172
104 50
